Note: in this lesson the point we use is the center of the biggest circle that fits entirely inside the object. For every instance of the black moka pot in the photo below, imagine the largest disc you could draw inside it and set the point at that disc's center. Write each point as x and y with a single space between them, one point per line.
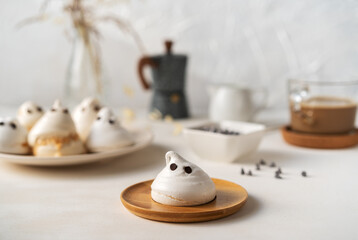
168 72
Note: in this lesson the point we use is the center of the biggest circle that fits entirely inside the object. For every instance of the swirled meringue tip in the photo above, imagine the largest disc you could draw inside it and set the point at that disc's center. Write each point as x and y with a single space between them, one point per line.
107 134
84 115
182 183
13 137
28 114
55 134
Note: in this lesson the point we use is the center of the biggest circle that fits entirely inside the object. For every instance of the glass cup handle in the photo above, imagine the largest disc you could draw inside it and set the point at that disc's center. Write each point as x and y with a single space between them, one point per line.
307 117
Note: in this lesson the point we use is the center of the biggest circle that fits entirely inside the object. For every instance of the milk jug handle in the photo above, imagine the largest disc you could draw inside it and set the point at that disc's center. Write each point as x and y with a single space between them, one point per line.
145 61
263 102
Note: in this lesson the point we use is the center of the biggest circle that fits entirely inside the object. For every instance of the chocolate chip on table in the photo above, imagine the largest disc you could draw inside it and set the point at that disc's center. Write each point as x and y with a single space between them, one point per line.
173 166
304 174
278 175
242 171
13 125
257 166
249 173
262 162
29 111
188 170
273 164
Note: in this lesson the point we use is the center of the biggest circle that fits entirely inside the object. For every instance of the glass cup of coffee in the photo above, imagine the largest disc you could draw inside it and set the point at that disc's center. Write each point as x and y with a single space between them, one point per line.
323 107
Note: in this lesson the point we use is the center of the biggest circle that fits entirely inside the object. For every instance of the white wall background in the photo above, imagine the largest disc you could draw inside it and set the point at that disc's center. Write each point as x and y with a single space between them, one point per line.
252 42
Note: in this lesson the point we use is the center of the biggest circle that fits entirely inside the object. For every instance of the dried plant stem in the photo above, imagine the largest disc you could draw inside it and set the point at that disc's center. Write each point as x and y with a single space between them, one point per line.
93 52
30 20
126 27
96 64
85 30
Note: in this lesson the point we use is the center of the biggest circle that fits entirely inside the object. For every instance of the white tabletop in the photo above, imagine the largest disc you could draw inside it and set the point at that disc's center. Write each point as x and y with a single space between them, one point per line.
83 202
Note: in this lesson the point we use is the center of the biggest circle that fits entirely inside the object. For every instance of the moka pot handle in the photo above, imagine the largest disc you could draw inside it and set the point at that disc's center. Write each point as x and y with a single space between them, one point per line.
145 61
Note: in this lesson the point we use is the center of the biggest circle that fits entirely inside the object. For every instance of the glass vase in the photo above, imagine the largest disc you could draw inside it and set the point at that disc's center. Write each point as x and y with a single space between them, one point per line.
85 72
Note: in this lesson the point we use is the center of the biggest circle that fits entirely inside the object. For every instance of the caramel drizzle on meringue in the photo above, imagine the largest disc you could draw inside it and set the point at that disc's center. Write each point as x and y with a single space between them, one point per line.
171 197
58 142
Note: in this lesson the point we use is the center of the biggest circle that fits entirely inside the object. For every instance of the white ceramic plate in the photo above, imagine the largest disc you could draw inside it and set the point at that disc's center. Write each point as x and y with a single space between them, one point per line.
142 139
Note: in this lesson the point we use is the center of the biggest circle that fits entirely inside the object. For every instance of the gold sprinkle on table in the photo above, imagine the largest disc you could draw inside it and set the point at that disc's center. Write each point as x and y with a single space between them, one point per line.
168 118
155 115
178 128
128 91
128 115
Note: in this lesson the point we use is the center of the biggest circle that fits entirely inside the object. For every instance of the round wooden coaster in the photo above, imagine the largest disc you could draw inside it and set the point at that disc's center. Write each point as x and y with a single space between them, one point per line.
230 197
326 141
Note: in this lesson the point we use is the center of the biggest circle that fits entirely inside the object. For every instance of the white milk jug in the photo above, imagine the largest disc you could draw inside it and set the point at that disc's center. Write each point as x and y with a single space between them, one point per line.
229 102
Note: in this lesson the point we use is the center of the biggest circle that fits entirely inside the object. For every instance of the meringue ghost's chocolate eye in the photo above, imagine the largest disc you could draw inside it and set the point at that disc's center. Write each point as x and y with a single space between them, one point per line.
97 108
13 125
98 118
173 166
2 123
65 110
188 170
39 109
53 110
111 121
29 111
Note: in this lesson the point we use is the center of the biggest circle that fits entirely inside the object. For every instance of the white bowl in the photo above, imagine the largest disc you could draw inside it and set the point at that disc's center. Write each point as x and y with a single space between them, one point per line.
225 148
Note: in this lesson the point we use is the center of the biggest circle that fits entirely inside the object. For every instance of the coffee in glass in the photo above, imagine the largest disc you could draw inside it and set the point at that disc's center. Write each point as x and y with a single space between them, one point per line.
323 107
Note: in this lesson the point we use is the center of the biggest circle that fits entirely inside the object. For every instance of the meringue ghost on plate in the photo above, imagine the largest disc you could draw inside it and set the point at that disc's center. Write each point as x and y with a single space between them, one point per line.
28 114
84 115
55 134
182 183
13 137
107 134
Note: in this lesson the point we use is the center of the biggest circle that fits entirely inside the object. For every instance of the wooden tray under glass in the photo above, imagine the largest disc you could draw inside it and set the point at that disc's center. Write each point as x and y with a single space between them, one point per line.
324 141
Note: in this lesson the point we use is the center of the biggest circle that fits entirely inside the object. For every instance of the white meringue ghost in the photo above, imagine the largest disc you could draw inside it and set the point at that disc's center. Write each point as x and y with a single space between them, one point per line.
55 134
107 134
28 114
182 183
13 137
84 115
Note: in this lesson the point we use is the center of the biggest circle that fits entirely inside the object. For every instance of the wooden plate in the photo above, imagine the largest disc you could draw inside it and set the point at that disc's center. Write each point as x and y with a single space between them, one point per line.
230 197
325 141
